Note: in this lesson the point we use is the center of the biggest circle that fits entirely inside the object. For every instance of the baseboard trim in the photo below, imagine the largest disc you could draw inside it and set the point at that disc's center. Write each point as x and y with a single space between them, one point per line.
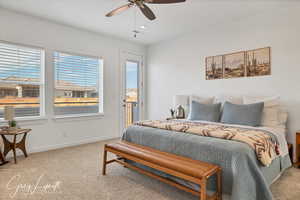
64 145
71 144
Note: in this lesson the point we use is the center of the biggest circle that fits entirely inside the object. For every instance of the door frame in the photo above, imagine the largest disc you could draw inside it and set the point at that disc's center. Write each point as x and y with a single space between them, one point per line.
131 56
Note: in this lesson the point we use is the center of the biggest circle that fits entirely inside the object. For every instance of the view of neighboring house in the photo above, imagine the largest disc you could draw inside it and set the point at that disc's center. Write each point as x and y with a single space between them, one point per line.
24 92
64 89
19 87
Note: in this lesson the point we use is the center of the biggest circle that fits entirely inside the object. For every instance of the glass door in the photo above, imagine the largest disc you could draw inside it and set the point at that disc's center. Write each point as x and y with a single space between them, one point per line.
131 99
132 94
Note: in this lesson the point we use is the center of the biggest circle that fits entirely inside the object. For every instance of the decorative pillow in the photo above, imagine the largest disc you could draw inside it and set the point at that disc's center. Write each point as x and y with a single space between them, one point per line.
205 112
203 100
246 114
270 115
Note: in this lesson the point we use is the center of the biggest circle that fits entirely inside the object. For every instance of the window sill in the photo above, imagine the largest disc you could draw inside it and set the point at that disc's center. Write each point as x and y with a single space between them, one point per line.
78 117
27 120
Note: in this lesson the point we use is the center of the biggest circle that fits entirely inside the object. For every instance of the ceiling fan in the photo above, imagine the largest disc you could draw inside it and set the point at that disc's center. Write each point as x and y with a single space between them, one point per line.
143 7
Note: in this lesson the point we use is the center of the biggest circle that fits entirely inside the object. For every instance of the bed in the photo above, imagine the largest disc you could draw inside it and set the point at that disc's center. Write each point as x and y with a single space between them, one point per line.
244 176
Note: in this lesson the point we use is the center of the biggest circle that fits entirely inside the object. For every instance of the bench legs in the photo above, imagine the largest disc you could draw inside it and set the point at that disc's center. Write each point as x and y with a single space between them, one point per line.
104 162
203 190
203 185
219 184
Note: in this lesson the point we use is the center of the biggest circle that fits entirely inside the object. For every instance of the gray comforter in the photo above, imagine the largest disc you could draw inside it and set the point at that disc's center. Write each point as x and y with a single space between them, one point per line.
244 177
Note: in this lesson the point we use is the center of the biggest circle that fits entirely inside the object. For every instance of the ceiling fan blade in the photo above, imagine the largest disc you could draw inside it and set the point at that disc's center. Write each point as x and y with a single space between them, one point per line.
118 10
146 11
164 1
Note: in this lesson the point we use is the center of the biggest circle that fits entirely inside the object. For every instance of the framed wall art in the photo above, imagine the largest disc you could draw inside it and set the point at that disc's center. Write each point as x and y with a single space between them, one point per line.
256 62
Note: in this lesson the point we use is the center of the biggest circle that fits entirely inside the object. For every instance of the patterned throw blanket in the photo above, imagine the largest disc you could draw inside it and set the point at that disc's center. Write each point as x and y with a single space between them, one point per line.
262 143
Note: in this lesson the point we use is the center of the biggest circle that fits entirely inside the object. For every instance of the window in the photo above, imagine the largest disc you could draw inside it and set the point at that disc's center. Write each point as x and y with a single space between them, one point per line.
78 84
21 79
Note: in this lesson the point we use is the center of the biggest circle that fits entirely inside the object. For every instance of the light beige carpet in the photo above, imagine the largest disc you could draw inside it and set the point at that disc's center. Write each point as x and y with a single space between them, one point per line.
74 173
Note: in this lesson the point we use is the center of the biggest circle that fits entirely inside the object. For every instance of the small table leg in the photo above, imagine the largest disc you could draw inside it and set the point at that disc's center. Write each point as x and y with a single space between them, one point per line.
8 146
14 148
104 162
3 161
22 145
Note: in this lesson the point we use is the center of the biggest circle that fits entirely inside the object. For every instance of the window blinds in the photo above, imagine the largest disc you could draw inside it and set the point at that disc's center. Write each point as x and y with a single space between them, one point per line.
77 84
20 79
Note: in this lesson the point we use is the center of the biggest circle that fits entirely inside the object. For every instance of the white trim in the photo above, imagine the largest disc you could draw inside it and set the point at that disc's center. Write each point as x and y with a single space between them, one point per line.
78 54
22 44
30 120
140 59
64 145
70 144
41 84
79 116
100 86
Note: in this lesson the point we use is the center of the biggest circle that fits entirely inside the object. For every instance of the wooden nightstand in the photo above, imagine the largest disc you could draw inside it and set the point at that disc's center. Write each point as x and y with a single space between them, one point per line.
8 145
297 164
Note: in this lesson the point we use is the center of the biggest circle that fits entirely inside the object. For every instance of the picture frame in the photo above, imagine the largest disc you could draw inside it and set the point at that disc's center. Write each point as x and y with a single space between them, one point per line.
250 63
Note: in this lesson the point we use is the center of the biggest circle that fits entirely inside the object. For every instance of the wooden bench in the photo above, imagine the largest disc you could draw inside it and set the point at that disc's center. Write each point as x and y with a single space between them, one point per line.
185 168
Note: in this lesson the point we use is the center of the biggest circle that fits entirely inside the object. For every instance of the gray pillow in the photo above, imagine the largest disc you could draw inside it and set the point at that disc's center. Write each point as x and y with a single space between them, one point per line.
245 114
205 112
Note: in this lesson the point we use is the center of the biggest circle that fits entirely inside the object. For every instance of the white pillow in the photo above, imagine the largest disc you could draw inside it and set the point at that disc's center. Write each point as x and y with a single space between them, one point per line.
204 100
270 116
231 99
282 117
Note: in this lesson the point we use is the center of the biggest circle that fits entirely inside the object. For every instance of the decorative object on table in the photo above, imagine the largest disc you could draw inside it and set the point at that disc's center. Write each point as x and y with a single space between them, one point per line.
172 111
297 164
9 114
256 62
180 102
180 114
8 146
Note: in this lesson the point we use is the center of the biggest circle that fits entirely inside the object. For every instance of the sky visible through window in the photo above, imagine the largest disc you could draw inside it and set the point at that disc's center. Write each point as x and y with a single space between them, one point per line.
19 62
131 75
78 70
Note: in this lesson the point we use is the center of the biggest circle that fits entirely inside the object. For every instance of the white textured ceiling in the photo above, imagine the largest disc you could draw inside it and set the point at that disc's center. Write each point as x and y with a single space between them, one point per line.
172 19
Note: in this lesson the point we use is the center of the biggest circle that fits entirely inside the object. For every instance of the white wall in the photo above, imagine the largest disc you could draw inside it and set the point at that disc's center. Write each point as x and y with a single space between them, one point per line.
49 133
178 66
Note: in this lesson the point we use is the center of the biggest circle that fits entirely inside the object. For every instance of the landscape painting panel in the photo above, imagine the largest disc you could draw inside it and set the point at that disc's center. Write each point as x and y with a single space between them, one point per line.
234 65
214 67
258 62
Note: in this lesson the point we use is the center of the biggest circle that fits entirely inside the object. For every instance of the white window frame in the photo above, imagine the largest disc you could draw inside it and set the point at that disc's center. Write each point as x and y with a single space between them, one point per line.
100 112
42 83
